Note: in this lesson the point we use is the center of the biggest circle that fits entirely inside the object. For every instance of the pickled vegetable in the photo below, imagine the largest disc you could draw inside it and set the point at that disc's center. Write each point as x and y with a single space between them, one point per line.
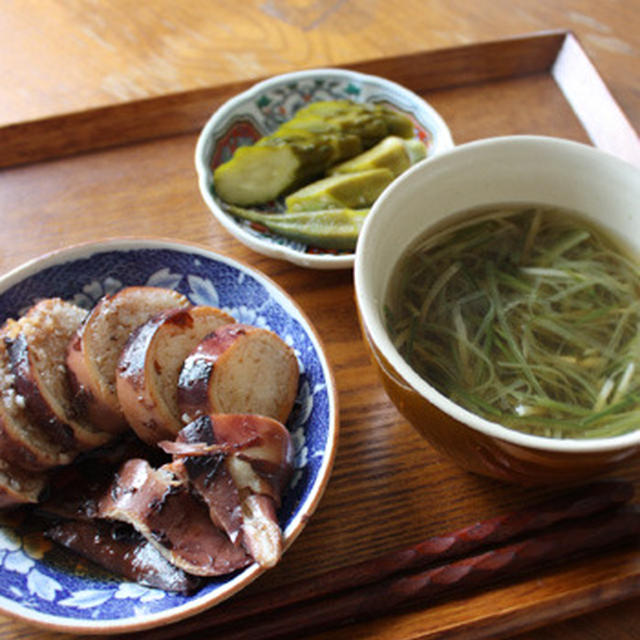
393 153
327 229
348 190
526 315
259 174
302 149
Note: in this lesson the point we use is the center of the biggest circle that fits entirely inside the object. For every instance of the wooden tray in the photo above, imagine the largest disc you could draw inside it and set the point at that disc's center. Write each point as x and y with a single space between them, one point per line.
128 170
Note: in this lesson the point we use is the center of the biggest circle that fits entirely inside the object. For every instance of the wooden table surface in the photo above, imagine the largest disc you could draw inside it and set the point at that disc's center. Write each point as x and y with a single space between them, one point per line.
67 56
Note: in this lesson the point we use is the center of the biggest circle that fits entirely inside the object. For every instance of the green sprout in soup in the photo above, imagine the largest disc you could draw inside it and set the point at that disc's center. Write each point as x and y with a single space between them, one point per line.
527 316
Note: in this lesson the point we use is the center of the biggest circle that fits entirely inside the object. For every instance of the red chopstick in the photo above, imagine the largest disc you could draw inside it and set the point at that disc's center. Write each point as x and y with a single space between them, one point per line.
391 594
335 596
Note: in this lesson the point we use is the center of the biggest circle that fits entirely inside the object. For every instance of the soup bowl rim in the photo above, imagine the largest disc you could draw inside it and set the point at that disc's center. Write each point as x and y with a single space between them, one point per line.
369 305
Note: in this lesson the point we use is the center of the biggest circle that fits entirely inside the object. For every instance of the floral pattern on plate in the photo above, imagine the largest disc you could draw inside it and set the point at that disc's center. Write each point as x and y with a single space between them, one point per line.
261 109
34 584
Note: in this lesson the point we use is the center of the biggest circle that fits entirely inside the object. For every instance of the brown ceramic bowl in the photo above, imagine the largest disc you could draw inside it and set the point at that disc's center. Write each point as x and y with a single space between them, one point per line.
510 169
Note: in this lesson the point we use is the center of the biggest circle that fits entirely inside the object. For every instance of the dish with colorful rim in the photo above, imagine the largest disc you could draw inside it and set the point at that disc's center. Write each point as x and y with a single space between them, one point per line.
262 108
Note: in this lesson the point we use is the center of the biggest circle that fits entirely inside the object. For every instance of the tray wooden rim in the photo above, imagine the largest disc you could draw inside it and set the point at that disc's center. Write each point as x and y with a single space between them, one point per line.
558 53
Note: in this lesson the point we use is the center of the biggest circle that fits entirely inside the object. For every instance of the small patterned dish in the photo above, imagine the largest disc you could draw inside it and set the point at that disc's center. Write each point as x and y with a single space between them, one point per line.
261 109
46 586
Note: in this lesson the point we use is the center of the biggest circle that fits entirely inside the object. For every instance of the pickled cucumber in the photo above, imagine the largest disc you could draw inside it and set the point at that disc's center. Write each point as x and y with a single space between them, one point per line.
328 229
259 174
349 114
393 153
344 190
416 149
302 149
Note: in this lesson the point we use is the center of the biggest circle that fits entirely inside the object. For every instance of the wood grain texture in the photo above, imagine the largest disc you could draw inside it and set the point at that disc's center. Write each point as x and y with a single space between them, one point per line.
557 55
389 488
103 53
374 588
589 97
187 111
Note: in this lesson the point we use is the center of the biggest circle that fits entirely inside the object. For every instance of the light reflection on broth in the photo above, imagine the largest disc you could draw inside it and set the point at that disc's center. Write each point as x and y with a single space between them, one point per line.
526 315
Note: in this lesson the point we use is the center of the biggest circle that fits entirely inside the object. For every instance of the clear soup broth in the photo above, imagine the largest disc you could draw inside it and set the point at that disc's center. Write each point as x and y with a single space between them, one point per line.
526 315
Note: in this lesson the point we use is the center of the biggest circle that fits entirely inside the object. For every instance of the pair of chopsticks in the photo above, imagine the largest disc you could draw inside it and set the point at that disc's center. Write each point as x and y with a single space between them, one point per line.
584 520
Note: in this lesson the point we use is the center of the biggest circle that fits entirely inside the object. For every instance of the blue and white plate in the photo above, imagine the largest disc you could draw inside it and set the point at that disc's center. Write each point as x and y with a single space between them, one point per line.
68 596
261 109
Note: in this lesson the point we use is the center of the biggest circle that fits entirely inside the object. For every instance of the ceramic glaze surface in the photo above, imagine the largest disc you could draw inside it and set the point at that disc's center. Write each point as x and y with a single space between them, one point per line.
34 584
260 110
512 169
